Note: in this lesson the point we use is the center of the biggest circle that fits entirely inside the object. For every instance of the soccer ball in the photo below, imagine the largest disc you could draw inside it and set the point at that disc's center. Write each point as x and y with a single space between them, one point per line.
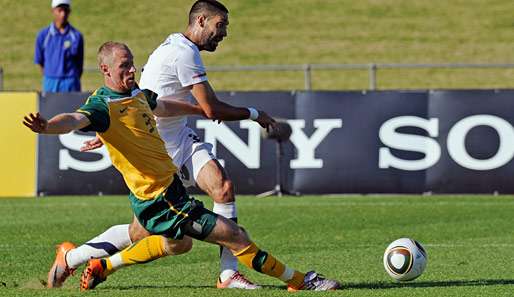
405 259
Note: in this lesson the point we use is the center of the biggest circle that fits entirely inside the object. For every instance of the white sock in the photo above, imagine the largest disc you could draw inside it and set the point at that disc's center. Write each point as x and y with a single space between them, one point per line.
116 261
228 262
108 243
227 210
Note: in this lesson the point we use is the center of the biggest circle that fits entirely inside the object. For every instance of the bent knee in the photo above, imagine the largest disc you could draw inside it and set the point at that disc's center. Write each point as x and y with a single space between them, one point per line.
224 193
178 247
240 236
137 232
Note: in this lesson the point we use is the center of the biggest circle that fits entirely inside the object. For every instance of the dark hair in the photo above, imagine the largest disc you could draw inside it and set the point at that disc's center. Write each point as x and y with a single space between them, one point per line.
210 7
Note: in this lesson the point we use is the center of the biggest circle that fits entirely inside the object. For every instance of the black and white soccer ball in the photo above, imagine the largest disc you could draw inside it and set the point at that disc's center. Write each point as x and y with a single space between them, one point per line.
405 259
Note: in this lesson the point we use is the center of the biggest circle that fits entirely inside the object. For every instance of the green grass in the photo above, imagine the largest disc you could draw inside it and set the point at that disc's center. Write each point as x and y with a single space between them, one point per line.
469 241
290 32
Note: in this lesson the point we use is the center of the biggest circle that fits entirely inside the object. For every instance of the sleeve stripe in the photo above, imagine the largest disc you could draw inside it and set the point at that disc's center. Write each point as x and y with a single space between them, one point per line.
84 112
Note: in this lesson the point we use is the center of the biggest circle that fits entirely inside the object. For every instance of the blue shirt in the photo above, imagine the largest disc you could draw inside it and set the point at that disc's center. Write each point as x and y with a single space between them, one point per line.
60 54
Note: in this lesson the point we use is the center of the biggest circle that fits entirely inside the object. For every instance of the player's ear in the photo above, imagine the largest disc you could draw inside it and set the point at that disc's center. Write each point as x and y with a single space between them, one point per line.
201 20
104 69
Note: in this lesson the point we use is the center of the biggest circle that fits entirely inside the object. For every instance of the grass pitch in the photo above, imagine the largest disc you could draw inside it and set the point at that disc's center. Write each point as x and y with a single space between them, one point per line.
469 241
289 32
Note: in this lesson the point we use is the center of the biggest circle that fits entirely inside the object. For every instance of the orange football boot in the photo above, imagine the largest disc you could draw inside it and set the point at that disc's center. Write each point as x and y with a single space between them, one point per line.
93 274
60 271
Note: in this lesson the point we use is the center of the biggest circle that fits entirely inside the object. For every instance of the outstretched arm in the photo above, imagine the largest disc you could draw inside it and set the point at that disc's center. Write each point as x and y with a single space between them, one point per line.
60 124
216 109
170 107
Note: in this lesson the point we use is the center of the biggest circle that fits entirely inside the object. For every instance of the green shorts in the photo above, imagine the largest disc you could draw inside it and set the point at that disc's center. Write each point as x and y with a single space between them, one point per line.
174 214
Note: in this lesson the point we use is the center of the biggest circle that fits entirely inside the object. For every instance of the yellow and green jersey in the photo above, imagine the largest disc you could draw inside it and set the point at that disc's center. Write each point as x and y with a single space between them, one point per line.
125 124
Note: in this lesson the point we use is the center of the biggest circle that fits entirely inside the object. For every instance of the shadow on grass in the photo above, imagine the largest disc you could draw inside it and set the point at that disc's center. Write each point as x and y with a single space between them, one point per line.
345 286
429 284
171 286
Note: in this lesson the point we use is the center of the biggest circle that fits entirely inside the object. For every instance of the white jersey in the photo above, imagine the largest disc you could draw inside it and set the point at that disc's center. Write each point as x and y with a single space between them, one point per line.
171 70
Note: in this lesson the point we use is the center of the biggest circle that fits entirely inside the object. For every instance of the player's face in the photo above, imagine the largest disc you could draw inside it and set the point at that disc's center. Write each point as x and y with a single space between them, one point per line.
214 31
122 72
61 14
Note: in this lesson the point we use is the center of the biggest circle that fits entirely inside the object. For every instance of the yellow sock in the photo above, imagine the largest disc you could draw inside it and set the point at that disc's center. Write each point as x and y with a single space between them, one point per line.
261 261
143 251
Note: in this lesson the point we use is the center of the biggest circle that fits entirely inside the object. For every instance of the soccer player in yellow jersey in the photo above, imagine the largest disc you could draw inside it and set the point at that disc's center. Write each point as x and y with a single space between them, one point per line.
121 114
175 68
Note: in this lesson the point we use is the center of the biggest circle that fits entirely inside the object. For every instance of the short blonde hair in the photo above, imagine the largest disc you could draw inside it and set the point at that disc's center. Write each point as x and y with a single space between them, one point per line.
106 51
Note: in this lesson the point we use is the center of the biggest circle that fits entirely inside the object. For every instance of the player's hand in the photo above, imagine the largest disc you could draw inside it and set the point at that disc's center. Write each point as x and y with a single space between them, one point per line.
35 122
266 121
92 144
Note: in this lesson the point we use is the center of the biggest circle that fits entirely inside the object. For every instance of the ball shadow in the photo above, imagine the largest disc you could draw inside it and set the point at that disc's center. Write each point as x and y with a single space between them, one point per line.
429 284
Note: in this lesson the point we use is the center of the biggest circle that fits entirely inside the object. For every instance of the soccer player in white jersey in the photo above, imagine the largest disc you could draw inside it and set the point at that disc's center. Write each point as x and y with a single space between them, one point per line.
175 70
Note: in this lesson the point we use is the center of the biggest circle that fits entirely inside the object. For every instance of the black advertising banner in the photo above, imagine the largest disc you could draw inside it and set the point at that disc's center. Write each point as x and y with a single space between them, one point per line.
476 141
344 134
248 159
62 168
341 142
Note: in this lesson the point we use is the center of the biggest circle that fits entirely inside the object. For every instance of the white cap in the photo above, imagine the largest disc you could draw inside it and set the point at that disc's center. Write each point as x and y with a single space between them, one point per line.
56 3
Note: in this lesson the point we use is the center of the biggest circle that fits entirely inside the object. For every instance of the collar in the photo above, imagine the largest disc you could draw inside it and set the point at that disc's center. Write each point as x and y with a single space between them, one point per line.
111 94
188 41
54 30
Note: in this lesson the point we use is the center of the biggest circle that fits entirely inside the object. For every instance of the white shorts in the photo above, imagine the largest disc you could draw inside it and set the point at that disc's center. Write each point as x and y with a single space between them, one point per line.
189 156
